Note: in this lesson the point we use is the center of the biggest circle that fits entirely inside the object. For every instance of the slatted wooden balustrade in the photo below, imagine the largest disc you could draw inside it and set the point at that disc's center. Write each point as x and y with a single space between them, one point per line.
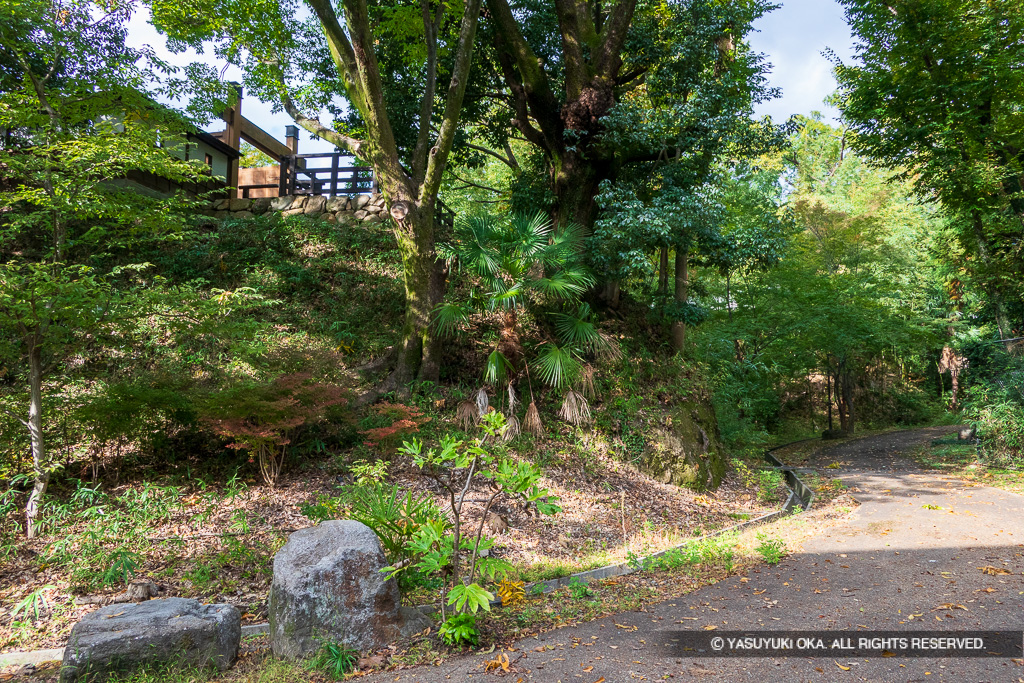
329 174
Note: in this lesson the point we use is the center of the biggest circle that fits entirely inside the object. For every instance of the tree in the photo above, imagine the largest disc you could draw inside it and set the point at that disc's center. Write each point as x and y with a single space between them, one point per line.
598 87
77 126
934 94
521 262
302 64
845 298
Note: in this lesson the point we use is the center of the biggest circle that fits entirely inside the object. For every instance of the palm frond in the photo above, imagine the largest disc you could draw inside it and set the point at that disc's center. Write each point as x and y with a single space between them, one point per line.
449 317
496 369
513 400
467 414
586 381
575 409
532 421
556 365
481 400
576 330
564 284
510 430
532 233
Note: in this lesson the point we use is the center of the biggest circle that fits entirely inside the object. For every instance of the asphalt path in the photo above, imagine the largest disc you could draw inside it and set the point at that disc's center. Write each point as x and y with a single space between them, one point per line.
923 551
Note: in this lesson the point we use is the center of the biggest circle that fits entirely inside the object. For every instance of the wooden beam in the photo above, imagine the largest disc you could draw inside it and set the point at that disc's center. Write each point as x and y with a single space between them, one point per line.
262 140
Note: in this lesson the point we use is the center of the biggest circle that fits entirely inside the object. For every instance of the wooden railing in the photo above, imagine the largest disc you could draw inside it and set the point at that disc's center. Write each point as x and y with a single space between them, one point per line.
324 174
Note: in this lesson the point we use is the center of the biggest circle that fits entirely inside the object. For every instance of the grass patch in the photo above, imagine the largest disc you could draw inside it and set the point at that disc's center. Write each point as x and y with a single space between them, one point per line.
960 458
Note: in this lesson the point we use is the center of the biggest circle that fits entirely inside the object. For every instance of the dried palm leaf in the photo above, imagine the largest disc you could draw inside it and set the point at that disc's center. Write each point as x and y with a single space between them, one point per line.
513 400
467 414
575 409
532 421
607 348
481 401
586 381
511 429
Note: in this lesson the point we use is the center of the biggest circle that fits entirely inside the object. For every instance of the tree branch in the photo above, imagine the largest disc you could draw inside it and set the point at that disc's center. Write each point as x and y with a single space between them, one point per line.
438 155
510 161
430 27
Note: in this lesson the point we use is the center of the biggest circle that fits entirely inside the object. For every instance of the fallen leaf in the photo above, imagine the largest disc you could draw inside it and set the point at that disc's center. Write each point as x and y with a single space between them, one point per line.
370 662
587 669
994 571
950 605
710 627
844 668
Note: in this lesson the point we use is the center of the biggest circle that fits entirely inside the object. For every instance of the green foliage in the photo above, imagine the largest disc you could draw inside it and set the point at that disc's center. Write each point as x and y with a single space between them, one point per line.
769 483
123 564
771 549
460 629
523 264
394 517
34 603
334 660
715 550
934 94
579 590
450 551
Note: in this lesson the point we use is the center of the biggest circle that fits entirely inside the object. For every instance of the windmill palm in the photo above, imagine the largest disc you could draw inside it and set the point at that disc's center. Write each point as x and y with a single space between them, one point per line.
520 261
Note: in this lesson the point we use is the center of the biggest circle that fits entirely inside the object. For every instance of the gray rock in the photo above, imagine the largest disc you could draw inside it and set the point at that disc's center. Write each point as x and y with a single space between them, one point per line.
315 205
221 215
336 204
360 215
281 203
328 586
173 630
359 201
299 201
239 204
243 214
294 211
261 204
221 204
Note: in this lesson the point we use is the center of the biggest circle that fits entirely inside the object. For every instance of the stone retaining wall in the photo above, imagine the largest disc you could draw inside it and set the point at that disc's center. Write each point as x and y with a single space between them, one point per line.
360 207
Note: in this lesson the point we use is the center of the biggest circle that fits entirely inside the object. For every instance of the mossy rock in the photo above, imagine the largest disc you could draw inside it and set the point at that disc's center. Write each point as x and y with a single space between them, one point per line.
686 449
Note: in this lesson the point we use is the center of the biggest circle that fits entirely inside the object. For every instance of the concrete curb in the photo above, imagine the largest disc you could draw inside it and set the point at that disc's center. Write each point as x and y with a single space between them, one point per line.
800 496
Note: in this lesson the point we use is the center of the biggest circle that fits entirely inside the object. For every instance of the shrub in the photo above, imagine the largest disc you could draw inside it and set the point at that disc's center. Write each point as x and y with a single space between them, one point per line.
460 629
771 549
449 551
262 418
399 421
393 517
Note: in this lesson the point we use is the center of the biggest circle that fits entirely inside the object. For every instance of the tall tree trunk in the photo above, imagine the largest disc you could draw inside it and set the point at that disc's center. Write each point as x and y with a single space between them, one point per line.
36 438
996 295
424 276
663 271
681 296
575 182
851 413
828 390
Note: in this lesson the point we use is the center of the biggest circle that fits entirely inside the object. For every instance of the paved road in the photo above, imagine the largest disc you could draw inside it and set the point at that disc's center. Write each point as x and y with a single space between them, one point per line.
917 542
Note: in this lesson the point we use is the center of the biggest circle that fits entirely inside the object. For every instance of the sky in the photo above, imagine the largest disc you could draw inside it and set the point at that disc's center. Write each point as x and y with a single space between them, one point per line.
793 37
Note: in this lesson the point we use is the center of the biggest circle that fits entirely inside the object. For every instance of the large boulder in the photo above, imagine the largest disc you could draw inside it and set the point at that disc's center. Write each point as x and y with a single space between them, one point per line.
685 449
124 638
328 587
